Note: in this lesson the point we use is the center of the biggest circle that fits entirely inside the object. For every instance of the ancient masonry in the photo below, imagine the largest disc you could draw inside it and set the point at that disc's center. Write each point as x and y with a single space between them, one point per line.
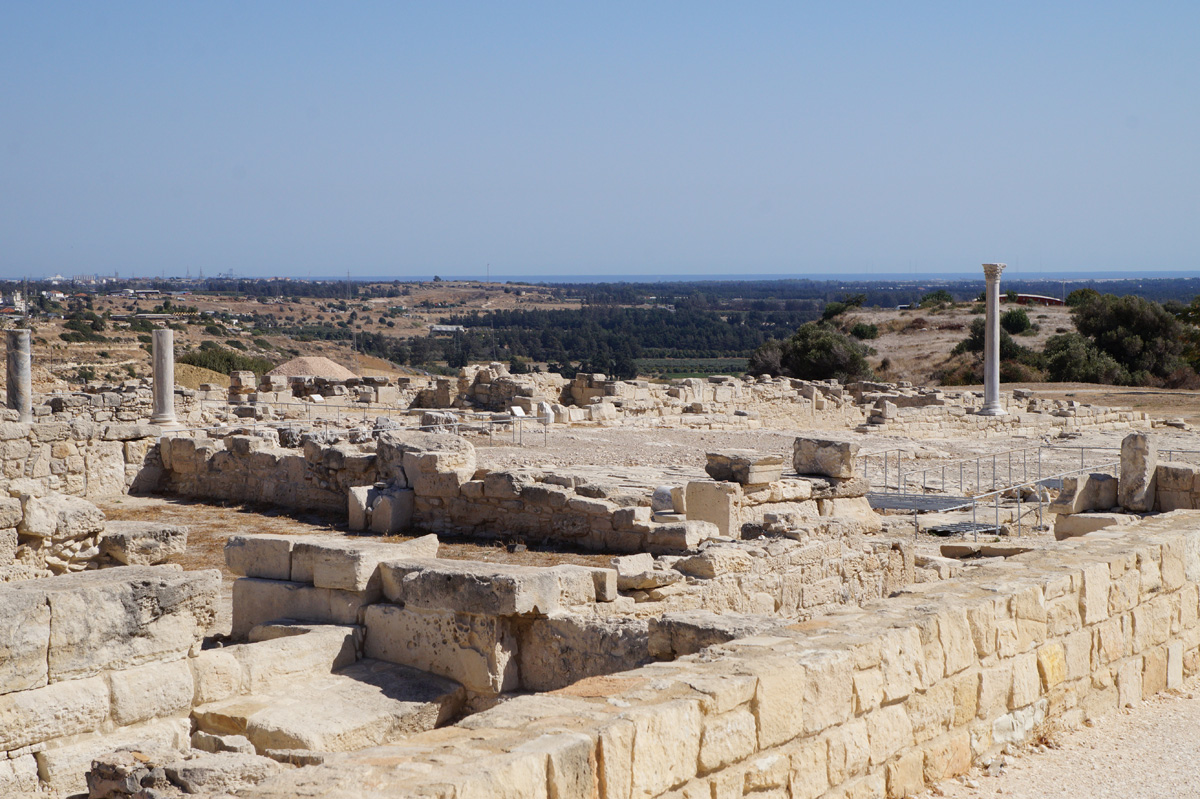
753 628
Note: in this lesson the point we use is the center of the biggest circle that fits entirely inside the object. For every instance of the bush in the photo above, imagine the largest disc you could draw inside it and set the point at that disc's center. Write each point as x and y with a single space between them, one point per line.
225 361
1072 358
833 309
237 345
1082 296
939 297
815 352
1015 321
862 330
767 359
1141 336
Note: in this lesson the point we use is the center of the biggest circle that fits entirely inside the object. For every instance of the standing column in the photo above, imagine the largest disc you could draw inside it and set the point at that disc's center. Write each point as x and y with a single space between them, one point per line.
20 374
164 378
991 343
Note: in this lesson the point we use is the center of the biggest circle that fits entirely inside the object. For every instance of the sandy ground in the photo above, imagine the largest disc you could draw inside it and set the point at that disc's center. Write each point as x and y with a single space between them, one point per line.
1147 752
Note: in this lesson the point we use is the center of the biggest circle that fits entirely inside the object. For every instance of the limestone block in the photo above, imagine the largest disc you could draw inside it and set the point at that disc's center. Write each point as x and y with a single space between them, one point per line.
10 511
824 457
1083 523
53 711
360 499
686 632
143 543
678 538
714 562
368 703
778 699
1086 492
852 509
216 674
666 745
478 651
578 584
744 466
888 731
265 556
718 503
151 691
1173 485
220 772
299 652
60 516
353 564
1139 462
633 564
258 601
563 649
24 638
472 587
19 776
120 618
392 512
303 550
207 742
64 765
434 464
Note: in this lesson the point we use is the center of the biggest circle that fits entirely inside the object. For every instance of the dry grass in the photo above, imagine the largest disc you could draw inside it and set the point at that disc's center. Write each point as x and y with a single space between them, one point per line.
190 376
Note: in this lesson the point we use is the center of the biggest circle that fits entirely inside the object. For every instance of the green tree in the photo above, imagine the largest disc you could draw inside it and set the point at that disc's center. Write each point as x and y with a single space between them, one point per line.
1140 335
815 352
1072 358
1015 321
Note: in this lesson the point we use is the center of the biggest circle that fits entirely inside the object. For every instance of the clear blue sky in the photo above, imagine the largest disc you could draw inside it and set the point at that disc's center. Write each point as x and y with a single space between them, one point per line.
623 138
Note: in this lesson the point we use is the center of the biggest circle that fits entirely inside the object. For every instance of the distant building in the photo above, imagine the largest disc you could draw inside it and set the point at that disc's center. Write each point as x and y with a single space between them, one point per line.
15 301
446 330
1038 299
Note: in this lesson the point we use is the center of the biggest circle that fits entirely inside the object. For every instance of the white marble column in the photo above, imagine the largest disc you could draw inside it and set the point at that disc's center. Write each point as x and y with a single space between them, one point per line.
164 378
20 374
991 343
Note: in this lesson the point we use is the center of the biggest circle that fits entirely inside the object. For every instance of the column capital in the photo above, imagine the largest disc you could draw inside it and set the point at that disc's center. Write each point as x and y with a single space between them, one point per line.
992 271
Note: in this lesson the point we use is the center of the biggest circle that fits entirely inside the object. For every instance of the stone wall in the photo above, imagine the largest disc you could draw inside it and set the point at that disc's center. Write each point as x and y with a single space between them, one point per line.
878 701
499 628
95 661
1025 417
79 457
435 478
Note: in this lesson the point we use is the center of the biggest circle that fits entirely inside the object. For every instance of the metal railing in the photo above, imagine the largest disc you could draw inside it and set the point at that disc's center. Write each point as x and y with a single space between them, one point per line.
1016 489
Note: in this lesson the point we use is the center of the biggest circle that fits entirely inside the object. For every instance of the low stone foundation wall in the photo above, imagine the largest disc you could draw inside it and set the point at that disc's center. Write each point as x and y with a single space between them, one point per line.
95 661
942 421
80 457
876 701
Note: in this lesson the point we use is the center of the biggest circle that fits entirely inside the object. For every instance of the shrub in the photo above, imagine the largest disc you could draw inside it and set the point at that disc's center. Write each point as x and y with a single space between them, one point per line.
862 330
1015 321
1082 296
1142 337
815 352
1072 358
939 297
225 361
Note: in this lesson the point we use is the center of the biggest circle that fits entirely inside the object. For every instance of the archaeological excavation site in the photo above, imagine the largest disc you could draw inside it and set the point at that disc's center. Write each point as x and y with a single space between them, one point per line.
519 585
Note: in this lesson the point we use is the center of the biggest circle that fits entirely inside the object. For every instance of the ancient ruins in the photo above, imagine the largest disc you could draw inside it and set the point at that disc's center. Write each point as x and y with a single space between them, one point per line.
762 623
